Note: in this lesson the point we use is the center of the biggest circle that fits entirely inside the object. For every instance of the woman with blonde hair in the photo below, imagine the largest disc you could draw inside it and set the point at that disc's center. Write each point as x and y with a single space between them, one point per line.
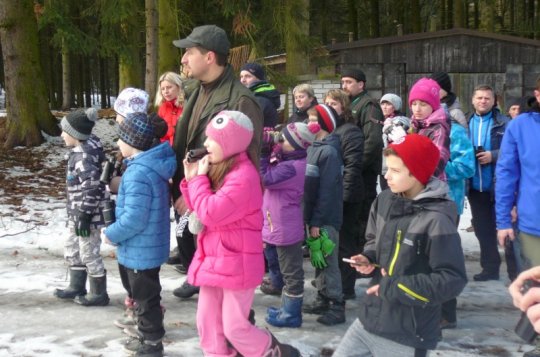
170 100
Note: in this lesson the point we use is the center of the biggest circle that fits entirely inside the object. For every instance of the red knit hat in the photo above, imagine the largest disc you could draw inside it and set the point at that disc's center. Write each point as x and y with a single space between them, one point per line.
327 117
419 154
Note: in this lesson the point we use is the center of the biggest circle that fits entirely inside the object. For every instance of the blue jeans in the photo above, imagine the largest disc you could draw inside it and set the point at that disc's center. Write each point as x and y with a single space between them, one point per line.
270 252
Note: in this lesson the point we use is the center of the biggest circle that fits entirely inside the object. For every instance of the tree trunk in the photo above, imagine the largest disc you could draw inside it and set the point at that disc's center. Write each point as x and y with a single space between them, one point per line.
416 20
168 59
459 13
27 107
150 80
296 27
487 15
66 85
352 24
374 19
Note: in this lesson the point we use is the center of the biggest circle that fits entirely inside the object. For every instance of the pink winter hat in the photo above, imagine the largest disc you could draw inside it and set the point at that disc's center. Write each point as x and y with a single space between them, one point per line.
426 90
232 130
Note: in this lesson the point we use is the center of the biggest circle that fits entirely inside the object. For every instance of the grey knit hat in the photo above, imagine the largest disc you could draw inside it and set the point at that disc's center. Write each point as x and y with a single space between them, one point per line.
298 135
393 99
79 124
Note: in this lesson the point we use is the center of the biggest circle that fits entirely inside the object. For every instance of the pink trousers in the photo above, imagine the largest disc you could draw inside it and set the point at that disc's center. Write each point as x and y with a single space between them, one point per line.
222 315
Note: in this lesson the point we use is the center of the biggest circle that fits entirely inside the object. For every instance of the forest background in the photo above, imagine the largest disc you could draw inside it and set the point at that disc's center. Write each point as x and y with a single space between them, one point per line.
61 54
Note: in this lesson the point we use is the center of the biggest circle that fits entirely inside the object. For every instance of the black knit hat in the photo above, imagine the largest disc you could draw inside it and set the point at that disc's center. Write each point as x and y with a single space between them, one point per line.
443 80
255 69
79 124
354 73
137 131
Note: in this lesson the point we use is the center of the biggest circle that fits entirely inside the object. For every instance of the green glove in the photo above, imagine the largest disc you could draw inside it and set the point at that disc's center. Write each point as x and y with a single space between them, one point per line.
327 246
317 258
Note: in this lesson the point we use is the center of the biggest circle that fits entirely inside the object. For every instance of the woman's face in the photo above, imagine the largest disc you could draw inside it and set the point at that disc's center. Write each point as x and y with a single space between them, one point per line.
387 109
334 104
302 100
169 90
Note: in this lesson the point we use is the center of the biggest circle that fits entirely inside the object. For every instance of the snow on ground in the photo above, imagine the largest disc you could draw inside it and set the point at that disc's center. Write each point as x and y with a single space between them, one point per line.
34 323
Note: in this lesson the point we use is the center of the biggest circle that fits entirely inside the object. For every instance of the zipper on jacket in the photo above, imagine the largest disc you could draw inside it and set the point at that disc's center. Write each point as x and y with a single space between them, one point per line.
478 144
412 293
269 219
396 253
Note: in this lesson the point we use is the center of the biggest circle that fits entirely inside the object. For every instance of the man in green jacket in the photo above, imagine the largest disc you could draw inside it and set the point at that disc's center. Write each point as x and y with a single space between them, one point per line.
205 59
368 116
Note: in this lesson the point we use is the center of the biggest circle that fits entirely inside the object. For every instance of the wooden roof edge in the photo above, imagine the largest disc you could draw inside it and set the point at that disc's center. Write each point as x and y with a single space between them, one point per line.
429 35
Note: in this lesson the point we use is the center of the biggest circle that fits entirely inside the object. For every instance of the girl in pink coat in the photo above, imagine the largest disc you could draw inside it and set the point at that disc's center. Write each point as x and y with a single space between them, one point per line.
224 190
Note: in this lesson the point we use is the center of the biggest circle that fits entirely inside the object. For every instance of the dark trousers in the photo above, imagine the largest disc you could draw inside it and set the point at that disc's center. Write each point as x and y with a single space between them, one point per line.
448 308
348 244
186 247
274 272
370 193
483 220
290 269
145 289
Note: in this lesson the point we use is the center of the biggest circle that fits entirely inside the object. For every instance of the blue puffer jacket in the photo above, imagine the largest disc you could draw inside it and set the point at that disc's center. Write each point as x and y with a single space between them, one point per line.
461 164
142 227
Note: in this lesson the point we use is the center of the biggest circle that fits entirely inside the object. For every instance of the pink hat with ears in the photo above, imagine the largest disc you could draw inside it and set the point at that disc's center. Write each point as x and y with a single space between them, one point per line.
232 130
427 90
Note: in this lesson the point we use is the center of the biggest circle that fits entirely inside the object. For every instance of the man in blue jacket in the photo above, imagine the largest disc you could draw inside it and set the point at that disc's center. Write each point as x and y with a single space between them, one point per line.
486 129
518 184
518 181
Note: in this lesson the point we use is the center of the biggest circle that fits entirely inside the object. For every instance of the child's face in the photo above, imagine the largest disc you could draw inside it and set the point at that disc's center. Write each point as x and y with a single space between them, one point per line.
421 110
286 145
387 109
302 100
399 177
314 119
69 140
215 152
334 104
125 149
119 118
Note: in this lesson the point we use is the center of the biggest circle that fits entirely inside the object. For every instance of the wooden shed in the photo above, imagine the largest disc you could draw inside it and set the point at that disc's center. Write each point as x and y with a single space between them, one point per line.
392 64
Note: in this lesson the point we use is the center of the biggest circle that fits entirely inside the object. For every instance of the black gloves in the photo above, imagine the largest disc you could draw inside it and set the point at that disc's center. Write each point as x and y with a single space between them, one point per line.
82 224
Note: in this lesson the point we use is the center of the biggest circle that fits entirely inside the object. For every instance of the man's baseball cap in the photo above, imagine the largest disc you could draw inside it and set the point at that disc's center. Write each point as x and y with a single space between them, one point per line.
210 37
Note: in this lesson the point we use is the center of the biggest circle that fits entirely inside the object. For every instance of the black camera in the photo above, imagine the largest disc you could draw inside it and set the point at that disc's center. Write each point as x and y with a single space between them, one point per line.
108 170
196 154
479 149
108 212
524 328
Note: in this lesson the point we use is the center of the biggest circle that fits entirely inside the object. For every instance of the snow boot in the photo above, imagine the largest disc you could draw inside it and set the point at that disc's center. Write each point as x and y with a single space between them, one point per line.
319 306
335 314
77 283
290 313
186 290
140 347
278 349
98 292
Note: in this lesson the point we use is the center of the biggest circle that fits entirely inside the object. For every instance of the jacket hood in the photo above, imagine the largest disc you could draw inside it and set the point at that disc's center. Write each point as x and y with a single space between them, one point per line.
266 90
331 139
435 197
437 117
91 146
160 158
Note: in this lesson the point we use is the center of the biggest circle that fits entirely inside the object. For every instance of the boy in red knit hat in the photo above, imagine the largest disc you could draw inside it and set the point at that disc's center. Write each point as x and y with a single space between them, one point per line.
413 251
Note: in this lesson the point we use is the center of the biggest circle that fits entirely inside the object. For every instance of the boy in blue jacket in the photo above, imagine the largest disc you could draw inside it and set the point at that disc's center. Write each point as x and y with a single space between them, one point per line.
323 214
142 227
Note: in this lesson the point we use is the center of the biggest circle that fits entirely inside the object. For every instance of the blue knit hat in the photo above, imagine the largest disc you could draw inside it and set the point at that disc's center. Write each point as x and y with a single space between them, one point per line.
137 131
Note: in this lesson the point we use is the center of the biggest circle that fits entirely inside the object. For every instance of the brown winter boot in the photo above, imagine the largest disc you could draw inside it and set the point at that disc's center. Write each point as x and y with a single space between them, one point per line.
278 349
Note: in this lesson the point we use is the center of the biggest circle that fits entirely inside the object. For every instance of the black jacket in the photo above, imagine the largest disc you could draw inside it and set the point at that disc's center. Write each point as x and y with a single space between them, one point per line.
269 100
417 244
352 149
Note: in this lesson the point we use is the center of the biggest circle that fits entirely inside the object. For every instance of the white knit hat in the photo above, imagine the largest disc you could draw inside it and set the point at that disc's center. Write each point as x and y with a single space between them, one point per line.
131 100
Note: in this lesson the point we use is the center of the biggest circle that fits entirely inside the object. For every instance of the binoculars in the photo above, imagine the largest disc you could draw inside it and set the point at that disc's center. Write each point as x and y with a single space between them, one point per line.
524 328
196 154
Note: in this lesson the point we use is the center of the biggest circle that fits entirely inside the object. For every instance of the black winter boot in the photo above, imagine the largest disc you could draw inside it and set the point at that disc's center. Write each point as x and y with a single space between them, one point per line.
335 314
98 292
77 283
278 349
319 306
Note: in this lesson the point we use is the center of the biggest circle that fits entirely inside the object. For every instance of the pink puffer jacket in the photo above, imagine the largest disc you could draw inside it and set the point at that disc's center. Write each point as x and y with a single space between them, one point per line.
229 248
